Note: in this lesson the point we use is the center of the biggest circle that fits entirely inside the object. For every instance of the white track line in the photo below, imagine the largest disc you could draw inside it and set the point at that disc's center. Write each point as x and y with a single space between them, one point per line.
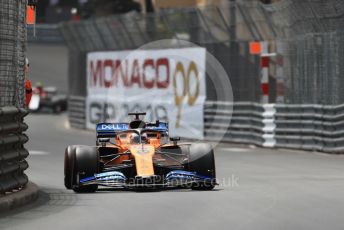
234 149
66 124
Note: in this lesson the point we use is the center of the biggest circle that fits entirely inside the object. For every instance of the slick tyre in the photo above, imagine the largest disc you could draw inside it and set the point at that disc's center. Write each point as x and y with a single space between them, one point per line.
57 109
202 161
85 164
70 150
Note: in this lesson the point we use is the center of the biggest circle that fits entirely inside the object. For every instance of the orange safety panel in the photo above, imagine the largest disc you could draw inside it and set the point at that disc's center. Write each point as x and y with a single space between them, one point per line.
30 15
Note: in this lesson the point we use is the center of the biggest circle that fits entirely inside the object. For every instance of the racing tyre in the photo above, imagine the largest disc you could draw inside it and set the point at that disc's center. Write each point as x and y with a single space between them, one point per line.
68 166
202 161
85 164
57 109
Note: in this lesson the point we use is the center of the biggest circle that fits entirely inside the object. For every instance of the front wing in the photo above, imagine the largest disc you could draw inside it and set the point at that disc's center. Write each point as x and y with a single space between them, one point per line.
176 178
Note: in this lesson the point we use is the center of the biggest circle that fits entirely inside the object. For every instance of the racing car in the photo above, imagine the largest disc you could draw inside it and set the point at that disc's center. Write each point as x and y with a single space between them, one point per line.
138 155
47 98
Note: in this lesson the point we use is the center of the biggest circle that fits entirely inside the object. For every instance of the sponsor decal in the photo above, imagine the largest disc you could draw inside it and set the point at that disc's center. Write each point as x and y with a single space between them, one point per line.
168 84
112 127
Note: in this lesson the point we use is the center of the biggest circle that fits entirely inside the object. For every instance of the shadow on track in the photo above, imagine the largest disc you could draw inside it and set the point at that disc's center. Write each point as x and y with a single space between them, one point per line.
50 201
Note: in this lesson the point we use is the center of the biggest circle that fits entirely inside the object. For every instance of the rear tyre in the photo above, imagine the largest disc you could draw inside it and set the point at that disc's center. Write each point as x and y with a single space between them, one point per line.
85 164
202 161
57 109
68 166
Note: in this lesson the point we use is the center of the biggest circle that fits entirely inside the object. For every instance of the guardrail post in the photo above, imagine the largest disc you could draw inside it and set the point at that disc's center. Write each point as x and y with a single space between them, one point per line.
269 125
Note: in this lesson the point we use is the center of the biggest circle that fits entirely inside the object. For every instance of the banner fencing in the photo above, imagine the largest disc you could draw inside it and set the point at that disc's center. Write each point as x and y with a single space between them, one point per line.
168 84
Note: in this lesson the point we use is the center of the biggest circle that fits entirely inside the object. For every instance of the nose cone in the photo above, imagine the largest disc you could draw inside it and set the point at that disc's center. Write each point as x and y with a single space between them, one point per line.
143 155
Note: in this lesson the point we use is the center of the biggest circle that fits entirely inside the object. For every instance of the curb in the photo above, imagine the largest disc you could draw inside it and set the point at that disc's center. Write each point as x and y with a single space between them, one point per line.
27 195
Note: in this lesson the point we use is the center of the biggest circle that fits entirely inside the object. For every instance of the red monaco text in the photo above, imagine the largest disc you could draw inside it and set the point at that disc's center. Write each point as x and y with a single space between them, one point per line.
128 73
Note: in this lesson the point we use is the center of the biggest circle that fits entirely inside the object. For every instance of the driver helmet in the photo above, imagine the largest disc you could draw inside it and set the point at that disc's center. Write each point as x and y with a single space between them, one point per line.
134 138
144 138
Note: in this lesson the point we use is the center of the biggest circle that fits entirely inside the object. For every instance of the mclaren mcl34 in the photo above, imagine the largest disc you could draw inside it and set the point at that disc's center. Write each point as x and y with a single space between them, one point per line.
138 155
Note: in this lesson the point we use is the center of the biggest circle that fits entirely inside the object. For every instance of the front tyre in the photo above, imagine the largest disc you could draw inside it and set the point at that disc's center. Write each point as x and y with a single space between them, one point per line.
202 161
85 164
68 165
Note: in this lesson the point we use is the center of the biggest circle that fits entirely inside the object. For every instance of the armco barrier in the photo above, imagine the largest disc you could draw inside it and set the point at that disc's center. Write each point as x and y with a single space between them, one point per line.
310 127
12 151
245 119
77 112
306 127
45 33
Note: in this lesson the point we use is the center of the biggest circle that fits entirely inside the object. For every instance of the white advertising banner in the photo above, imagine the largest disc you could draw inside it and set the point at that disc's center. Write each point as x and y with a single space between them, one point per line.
168 84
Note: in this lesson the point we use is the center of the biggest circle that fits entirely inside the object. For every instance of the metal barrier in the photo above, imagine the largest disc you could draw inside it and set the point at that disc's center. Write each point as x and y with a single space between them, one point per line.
306 127
45 33
12 151
234 122
310 127
77 112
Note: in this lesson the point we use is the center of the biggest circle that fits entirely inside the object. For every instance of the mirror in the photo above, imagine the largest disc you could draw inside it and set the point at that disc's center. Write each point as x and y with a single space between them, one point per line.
174 138
103 140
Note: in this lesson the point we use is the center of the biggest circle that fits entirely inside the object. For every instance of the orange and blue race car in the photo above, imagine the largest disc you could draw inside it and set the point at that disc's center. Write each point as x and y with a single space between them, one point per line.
138 155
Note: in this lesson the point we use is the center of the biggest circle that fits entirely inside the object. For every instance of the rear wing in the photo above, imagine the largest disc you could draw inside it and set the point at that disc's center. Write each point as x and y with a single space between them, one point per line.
163 127
112 129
